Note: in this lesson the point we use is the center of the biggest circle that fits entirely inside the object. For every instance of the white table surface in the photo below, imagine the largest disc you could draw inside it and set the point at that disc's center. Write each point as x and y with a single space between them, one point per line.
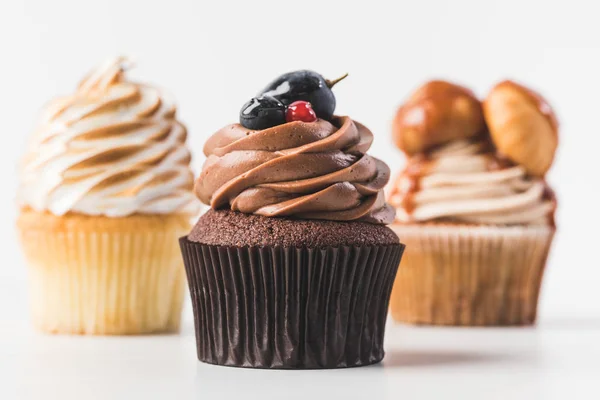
559 359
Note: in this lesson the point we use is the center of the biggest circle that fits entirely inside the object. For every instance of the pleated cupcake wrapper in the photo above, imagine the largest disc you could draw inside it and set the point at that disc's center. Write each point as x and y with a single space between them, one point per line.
290 307
84 282
471 276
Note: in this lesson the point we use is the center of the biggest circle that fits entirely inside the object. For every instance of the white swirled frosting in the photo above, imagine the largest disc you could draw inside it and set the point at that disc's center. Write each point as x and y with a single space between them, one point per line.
113 148
464 181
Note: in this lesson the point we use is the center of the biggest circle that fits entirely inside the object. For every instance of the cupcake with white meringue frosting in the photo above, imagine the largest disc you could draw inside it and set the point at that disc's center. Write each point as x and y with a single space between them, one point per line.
105 191
477 222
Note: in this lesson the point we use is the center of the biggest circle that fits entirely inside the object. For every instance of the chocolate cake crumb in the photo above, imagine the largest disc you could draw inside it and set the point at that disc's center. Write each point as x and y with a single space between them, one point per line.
230 228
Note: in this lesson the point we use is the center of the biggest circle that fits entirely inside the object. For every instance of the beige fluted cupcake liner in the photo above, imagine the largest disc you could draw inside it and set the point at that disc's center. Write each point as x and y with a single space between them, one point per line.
470 275
98 275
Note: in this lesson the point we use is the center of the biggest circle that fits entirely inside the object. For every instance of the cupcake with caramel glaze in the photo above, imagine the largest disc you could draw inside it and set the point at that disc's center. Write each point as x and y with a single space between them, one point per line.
296 238
474 211
105 191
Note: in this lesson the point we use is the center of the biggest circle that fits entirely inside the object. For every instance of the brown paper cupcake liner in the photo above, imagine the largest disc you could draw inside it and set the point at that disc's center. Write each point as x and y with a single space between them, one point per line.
290 307
470 275
98 276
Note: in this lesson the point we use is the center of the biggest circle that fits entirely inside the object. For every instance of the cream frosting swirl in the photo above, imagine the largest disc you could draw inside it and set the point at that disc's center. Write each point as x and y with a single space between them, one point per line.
113 148
316 170
464 181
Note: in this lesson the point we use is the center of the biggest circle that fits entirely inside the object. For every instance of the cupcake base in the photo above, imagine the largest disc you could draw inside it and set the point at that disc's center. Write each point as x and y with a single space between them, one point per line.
278 305
470 275
99 275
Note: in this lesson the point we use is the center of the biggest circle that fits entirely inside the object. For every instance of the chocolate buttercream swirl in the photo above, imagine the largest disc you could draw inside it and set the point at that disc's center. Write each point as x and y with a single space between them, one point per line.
317 170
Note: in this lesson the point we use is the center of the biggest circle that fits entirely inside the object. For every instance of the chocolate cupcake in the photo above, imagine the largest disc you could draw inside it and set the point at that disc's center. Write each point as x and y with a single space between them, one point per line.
293 265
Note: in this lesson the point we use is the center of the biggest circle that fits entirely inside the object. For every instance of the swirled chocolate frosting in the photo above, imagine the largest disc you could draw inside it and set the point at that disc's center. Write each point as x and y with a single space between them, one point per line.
315 170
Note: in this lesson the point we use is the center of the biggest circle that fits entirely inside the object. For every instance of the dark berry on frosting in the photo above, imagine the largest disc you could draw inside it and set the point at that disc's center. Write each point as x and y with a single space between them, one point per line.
262 113
300 111
308 86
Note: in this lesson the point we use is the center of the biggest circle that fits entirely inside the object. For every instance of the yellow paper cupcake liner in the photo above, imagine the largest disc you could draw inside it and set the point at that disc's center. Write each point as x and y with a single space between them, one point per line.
98 275
470 275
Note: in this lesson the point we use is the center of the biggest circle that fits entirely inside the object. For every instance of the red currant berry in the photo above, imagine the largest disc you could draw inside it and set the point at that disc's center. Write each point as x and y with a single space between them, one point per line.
300 111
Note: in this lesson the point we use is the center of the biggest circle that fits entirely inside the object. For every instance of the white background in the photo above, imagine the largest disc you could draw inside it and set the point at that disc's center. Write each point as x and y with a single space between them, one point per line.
213 56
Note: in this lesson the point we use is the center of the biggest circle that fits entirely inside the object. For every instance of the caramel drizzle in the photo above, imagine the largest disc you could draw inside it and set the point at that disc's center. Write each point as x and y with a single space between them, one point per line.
408 183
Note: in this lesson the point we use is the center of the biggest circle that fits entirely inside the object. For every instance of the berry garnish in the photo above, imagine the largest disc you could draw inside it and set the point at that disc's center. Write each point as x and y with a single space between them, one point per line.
262 113
300 111
308 86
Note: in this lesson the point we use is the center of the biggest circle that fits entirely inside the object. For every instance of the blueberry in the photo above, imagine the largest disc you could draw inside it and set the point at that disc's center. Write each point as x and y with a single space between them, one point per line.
262 112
